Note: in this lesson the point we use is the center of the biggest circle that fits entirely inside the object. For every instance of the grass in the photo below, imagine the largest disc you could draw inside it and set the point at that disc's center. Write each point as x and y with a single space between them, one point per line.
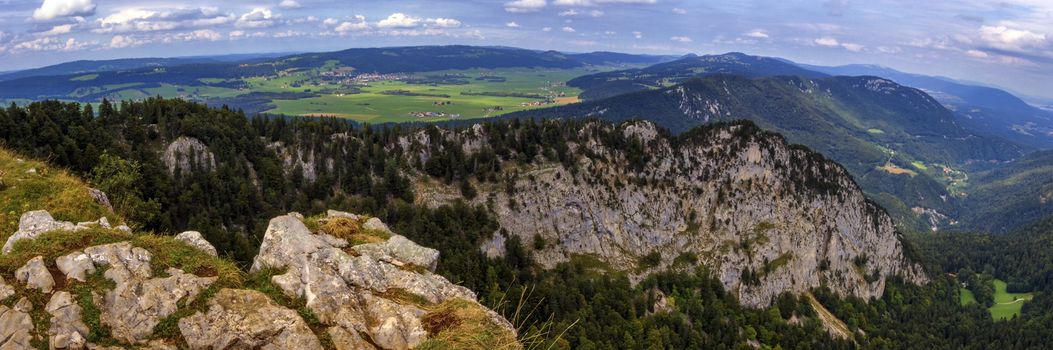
351 230
1007 305
896 170
55 190
966 296
461 324
875 131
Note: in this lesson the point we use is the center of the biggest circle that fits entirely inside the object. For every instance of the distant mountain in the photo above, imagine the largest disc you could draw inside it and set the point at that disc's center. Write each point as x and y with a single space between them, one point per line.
892 138
980 107
605 58
72 81
608 84
125 64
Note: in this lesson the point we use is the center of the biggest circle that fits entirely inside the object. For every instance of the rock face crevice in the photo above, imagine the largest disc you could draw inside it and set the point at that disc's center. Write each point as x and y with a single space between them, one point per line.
764 216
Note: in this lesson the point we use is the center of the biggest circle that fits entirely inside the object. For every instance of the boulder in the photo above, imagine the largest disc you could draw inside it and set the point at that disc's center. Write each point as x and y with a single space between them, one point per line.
246 319
135 305
401 251
286 240
15 328
36 275
100 198
124 261
67 330
395 326
76 265
332 214
35 223
194 239
375 224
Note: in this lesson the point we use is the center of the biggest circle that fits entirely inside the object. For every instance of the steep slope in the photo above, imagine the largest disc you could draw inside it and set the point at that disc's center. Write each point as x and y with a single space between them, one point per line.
980 108
891 138
609 84
1014 195
766 217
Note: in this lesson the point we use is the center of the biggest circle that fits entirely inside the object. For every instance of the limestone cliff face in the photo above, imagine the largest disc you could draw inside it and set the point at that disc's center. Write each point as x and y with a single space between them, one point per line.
187 154
764 216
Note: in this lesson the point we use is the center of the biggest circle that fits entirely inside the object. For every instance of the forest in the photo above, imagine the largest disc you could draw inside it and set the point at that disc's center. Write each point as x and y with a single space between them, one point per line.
116 146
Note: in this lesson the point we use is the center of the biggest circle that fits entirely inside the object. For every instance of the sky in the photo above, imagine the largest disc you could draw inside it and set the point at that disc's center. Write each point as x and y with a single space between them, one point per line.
1005 43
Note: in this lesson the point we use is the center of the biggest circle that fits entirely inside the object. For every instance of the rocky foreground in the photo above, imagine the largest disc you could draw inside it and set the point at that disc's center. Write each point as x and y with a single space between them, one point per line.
335 281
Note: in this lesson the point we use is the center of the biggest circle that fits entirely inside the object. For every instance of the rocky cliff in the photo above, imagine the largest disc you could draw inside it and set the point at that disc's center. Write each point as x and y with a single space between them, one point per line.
764 216
332 281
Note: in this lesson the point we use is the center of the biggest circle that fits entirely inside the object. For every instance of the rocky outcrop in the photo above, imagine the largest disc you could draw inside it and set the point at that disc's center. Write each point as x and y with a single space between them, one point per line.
359 290
35 223
67 330
764 216
187 154
194 239
246 319
100 197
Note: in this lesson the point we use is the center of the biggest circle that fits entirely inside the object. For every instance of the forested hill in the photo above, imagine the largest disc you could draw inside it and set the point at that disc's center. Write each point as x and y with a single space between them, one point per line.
892 138
608 84
171 165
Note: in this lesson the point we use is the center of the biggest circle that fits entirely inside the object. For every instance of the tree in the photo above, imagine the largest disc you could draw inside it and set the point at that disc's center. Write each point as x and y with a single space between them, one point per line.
121 180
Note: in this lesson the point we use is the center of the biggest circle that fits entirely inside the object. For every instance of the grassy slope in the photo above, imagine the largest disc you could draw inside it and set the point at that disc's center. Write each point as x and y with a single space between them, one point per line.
49 188
1007 304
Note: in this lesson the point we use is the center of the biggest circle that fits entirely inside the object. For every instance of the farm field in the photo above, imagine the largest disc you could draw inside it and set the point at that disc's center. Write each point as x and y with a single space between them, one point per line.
400 101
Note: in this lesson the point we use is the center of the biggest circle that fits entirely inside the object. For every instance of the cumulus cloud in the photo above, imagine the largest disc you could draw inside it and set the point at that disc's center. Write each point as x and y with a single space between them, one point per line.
512 25
144 20
122 41
546 29
260 17
597 2
1009 38
977 54
289 4
757 34
827 41
52 9
50 44
568 29
679 11
57 30
638 35
519 6
575 13
681 39
399 20
359 23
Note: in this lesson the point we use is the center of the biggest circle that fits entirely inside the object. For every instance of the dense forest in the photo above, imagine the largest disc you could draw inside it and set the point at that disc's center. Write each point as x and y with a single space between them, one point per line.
575 305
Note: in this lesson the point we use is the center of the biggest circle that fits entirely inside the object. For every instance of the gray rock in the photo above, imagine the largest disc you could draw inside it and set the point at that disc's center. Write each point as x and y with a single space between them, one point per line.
340 214
375 224
194 239
5 290
124 261
24 305
345 291
75 265
124 228
35 223
100 198
67 330
15 328
187 154
135 306
36 275
246 319
401 251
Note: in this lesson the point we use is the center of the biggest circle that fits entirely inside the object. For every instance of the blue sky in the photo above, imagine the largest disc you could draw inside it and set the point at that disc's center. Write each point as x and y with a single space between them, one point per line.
1007 43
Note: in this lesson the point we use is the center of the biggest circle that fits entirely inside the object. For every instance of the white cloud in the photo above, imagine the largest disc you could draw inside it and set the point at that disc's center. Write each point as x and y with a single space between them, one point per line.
122 41
289 4
679 11
827 41
143 20
519 6
52 9
57 30
399 20
260 17
638 35
853 47
329 22
1008 38
597 2
512 25
568 29
575 13
889 49
197 35
681 39
757 34
50 44
546 29
359 23
977 54
443 22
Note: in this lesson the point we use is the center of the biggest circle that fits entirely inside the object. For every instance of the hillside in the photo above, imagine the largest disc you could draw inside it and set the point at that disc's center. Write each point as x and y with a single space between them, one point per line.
980 108
1011 196
608 84
81 285
904 148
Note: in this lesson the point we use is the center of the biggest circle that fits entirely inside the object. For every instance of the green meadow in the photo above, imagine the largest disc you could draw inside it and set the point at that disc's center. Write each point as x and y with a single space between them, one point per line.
1006 305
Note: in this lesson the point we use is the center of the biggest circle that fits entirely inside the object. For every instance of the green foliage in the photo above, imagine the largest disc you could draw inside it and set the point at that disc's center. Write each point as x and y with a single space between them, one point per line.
121 180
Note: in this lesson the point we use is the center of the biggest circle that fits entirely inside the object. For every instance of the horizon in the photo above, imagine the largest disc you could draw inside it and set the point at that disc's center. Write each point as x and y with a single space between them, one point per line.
1007 45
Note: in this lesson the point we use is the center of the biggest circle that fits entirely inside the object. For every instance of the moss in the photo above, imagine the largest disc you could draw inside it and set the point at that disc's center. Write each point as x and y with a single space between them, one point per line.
90 313
461 324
